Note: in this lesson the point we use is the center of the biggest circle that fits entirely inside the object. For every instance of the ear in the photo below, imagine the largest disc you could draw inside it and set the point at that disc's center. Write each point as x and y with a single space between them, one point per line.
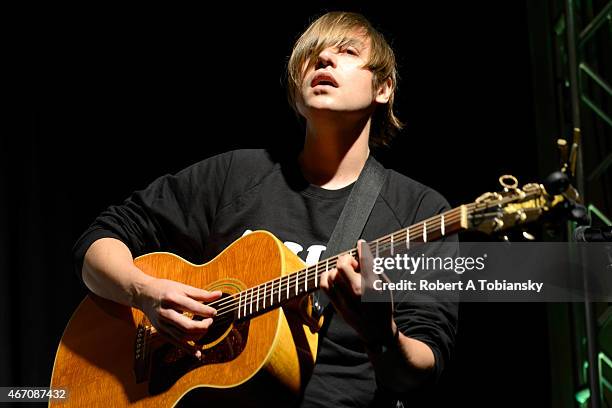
383 93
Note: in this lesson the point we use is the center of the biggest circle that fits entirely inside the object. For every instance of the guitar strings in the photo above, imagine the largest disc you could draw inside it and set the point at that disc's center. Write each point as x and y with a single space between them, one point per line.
285 283
382 243
226 307
271 288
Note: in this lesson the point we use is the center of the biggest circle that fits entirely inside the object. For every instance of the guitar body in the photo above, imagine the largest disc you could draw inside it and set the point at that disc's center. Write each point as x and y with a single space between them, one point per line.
261 361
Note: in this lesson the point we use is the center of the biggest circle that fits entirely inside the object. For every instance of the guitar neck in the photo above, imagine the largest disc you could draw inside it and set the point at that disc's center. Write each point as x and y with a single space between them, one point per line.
269 295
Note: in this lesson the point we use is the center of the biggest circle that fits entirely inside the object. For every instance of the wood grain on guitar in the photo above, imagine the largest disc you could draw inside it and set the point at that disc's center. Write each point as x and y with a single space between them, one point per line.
97 362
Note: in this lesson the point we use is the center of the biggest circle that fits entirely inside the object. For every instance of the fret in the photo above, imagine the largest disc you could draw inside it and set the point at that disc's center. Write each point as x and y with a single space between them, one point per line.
251 302
246 295
408 238
306 281
287 296
442 226
424 231
377 249
297 287
280 281
257 304
264 295
272 294
391 244
463 223
239 300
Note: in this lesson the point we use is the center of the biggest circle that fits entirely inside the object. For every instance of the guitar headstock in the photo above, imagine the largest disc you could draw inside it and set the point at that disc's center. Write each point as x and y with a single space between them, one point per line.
513 206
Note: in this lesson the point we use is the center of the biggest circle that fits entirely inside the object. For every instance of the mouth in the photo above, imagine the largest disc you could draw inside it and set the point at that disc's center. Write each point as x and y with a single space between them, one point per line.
323 79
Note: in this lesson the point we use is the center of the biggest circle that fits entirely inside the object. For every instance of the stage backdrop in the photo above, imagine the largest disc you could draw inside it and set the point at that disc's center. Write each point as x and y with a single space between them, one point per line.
110 99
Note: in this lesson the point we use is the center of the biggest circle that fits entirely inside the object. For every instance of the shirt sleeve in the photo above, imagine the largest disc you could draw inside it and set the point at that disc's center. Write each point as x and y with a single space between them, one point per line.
174 213
433 322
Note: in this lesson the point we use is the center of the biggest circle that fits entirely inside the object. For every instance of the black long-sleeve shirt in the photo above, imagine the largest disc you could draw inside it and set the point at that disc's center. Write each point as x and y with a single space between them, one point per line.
202 209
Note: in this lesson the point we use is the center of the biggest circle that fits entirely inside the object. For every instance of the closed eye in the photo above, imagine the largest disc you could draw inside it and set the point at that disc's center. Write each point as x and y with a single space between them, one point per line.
350 51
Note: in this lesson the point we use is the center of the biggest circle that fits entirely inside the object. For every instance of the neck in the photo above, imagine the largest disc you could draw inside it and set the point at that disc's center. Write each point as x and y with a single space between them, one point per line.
333 156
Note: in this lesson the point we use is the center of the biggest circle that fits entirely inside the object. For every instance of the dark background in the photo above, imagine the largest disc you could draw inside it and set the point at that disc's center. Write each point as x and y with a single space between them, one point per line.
107 99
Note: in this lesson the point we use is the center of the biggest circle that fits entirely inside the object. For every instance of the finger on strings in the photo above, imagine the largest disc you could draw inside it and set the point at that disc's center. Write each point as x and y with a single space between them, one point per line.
367 265
347 277
188 304
366 261
184 323
327 278
173 335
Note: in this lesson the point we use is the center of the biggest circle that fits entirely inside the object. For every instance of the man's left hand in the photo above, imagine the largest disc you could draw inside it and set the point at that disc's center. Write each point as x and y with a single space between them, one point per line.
345 285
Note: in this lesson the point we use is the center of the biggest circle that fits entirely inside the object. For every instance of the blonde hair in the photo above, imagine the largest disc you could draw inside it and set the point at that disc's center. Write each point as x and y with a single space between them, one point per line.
332 29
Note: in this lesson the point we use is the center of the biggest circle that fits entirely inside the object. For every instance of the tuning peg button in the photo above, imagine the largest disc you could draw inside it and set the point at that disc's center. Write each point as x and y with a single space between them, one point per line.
556 183
528 236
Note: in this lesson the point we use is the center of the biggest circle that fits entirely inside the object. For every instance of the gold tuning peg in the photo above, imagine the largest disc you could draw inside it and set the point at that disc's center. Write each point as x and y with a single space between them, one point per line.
508 182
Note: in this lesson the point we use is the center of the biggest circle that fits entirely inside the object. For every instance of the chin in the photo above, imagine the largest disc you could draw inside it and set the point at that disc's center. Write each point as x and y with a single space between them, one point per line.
320 104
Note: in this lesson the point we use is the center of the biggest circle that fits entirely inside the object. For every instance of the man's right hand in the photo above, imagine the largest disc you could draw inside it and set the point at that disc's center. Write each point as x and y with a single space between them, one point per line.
109 271
164 301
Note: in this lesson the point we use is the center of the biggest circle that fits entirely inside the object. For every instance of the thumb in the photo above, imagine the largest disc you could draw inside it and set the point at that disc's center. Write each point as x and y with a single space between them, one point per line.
366 264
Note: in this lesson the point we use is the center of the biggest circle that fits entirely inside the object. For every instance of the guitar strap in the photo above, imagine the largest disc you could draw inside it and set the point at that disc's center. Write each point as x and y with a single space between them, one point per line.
352 221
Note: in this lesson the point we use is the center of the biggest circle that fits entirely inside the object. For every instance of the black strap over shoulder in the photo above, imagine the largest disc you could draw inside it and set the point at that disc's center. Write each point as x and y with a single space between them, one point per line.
353 218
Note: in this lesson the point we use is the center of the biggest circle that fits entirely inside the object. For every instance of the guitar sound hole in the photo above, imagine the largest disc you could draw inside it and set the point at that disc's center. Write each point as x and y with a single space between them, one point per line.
221 323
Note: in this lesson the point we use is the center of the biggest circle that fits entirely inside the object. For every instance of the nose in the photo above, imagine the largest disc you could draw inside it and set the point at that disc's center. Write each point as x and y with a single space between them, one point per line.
326 58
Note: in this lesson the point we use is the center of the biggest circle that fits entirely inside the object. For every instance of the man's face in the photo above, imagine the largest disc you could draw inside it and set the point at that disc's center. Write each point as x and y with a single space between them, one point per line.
339 81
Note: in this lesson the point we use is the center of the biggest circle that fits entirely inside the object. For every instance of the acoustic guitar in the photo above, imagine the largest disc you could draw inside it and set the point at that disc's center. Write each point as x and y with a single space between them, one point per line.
259 351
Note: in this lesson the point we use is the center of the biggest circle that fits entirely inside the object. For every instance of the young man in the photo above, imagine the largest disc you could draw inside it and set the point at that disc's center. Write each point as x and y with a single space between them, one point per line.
342 78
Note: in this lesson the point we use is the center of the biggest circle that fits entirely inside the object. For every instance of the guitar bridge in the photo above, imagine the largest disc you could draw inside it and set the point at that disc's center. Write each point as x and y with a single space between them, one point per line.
142 353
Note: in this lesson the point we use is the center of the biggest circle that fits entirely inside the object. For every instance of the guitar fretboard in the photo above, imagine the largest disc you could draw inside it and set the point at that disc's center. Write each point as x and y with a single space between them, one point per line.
271 294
